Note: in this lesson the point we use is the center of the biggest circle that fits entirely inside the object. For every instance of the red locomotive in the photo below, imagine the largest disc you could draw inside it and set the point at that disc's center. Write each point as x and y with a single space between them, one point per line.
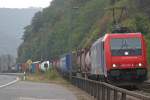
120 58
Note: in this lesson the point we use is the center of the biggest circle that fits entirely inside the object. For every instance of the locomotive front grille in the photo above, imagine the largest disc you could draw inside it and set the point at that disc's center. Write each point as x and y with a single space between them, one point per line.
128 74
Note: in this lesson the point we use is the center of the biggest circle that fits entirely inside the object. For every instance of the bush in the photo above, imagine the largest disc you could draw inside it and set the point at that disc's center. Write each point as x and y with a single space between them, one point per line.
52 75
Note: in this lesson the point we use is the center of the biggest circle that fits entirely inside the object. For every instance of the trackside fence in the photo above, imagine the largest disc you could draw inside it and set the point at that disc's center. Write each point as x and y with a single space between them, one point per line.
104 91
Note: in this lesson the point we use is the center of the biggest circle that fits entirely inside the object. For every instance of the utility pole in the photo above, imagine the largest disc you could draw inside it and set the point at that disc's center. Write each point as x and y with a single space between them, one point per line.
70 37
71 24
41 55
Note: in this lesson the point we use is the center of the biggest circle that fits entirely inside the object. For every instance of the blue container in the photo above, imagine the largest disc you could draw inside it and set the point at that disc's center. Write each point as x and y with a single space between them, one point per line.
18 67
68 62
33 68
65 63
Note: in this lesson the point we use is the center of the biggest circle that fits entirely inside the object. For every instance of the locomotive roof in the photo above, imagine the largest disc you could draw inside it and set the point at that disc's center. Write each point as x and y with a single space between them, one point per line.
121 35
124 34
102 39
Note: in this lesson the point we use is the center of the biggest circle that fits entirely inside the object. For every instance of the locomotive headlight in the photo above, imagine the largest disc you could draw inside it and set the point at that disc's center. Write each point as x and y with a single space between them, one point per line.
114 65
140 64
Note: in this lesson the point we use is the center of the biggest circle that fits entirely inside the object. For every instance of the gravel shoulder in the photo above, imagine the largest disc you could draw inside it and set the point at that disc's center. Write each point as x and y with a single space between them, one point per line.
23 90
80 94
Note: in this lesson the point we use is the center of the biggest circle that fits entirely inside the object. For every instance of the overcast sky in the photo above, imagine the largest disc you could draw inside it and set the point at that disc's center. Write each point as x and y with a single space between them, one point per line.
24 3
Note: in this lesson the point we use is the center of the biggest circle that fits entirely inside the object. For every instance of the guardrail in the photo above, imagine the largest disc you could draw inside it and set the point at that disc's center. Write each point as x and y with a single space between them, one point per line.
104 91
20 75
14 74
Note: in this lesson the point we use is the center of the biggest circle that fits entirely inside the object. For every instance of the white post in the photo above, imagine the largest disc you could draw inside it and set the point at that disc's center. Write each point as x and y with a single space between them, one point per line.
24 77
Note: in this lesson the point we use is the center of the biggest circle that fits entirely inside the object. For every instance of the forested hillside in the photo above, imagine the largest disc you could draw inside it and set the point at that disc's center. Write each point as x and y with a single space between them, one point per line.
71 24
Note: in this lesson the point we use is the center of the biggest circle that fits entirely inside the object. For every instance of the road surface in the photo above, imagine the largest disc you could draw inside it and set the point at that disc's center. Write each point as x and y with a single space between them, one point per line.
6 79
23 90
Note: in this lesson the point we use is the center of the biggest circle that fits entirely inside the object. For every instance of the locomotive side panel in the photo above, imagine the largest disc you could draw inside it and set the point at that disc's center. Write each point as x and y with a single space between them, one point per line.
97 58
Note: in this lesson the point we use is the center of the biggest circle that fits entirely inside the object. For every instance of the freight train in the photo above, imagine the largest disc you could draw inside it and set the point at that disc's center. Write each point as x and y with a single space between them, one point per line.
116 58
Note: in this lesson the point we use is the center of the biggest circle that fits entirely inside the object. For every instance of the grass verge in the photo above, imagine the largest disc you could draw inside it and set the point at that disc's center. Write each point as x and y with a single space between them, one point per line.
51 76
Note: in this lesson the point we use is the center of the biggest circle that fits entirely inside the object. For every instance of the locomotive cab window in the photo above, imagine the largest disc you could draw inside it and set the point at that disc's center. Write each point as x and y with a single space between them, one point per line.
125 46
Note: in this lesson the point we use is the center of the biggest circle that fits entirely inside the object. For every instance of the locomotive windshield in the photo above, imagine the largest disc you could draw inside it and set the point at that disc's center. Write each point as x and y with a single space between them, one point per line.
125 46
